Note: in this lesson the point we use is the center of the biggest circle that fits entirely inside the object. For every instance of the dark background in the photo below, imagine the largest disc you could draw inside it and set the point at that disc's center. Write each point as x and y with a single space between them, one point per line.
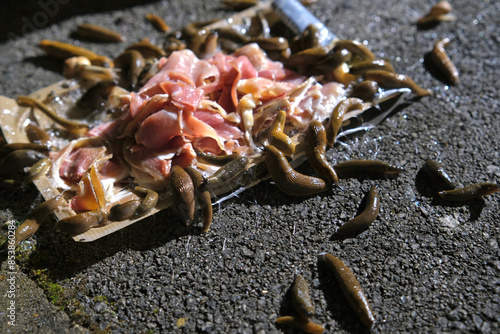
426 265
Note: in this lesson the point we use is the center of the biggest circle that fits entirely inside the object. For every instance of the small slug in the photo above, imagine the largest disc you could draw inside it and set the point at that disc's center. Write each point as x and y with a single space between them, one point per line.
315 140
351 289
132 62
64 51
148 202
38 170
362 221
437 175
98 33
307 326
366 166
218 160
366 90
391 80
356 48
36 218
469 192
123 211
37 135
227 172
183 190
442 61
81 222
367 65
157 22
203 197
301 298
75 127
439 12
343 107
287 179
278 138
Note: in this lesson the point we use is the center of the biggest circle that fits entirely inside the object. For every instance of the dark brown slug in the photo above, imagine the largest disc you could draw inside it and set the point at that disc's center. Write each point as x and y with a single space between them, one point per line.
81 222
469 192
351 289
183 191
287 179
98 33
366 166
123 211
437 175
227 172
367 65
148 202
356 48
315 140
301 298
203 197
443 62
362 221
391 80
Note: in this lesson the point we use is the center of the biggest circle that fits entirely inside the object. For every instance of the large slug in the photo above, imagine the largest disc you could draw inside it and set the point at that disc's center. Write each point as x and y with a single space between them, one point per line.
287 179
351 289
443 62
469 192
315 140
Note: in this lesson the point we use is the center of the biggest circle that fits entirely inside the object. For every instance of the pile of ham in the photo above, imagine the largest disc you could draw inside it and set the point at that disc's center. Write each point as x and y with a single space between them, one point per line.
220 105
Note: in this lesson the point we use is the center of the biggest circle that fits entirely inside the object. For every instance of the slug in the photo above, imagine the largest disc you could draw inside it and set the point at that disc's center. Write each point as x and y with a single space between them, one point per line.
367 65
364 219
278 138
356 48
82 222
132 62
183 190
287 179
437 175
442 61
391 80
227 172
203 197
366 166
218 160
157 22
307 326
72 126
301 298
366 90
315 140
36 218
123 211
98 33
469 192
148 202
351 289
147 49
337 117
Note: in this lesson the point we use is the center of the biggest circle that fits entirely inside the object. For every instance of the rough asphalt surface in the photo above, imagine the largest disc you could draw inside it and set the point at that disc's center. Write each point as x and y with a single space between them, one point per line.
426 265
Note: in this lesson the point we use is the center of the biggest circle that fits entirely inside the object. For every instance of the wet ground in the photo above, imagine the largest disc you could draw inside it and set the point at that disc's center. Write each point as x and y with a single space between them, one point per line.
426 265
